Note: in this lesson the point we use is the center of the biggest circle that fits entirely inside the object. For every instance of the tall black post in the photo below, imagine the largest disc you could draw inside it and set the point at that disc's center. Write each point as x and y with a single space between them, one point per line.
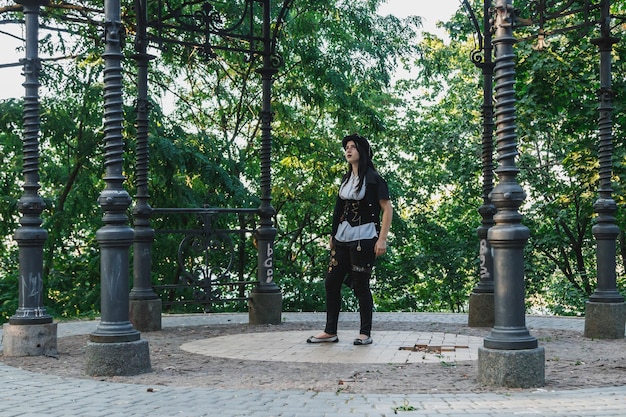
30 331
145 304
115 347
510 356
265 305
481 303
605 313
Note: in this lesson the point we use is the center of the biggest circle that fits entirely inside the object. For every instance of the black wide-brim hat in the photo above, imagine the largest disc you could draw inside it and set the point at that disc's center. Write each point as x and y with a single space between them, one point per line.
362 144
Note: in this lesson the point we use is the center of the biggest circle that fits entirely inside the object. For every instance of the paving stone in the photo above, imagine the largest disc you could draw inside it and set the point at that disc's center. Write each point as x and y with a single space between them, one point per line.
21 392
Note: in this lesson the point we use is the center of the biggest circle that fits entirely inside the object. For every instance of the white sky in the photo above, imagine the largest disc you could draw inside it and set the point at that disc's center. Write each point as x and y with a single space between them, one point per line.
430 11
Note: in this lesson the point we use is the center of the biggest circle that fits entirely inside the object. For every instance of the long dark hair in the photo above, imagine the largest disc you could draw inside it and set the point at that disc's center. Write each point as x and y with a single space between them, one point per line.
365 158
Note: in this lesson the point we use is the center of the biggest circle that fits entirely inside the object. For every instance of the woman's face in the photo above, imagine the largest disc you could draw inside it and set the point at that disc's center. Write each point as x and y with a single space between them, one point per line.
351 152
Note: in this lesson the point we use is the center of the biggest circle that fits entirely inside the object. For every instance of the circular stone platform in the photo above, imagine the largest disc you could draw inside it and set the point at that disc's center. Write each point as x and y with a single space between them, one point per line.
388 347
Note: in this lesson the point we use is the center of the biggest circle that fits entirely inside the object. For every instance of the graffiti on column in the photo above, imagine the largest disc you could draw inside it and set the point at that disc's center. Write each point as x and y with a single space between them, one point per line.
269 264
484 249
32 286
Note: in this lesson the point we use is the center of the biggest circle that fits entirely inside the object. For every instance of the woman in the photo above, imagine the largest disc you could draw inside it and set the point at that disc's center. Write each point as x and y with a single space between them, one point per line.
358 237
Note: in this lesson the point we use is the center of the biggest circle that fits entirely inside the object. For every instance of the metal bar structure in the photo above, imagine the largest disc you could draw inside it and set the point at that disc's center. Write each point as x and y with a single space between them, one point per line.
145 307
553 18
207 23
508 236
116 236
605 312
211 259
510 355
487 210
502 234
266 232
481 299
605 230
242 35
144 234
30 236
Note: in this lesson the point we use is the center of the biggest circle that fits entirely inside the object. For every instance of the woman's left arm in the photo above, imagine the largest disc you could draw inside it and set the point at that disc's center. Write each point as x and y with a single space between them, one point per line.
381 244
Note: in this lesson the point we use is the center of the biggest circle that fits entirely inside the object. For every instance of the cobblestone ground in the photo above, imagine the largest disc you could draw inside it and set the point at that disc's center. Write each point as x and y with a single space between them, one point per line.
583 377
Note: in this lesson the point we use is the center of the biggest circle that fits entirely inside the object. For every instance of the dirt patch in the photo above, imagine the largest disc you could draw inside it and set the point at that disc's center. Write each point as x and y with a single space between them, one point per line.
572 361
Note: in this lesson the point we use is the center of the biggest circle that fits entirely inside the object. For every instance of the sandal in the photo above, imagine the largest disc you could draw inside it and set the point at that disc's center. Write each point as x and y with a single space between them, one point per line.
330 339
360 342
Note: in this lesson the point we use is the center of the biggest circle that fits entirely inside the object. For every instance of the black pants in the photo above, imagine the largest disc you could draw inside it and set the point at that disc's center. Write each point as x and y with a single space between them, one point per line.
351 263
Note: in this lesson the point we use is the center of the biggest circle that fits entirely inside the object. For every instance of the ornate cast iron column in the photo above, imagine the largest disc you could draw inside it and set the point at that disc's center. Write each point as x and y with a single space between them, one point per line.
265 304
30 236
115 347
207 25
145 304
510 356
605 313
481 300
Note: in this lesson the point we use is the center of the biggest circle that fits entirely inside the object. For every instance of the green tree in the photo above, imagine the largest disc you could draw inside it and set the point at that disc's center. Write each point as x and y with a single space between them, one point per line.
339 76
556 109
205 152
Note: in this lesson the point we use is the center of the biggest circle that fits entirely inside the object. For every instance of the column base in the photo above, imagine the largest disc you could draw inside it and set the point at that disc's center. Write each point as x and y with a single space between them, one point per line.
29 339
117 359
605 320
145 315
481 310
511 368
265 308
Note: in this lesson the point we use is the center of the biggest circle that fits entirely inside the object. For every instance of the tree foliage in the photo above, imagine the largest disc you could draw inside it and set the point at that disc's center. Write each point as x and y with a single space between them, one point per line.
557 130
342 72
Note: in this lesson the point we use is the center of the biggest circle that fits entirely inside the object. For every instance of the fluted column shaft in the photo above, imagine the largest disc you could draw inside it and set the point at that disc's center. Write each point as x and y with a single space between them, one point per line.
30 236
144 233
266 232
605 230
508 236
115 237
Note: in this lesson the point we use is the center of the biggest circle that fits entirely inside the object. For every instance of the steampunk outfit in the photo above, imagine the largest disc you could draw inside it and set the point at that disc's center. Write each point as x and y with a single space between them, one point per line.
355 229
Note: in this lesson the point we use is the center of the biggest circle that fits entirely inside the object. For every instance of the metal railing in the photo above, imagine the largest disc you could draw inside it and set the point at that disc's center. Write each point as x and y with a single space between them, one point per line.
211 253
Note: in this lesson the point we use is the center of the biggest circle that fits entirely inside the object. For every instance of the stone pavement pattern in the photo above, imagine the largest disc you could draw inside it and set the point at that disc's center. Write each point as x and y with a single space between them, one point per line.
24 393
389 347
